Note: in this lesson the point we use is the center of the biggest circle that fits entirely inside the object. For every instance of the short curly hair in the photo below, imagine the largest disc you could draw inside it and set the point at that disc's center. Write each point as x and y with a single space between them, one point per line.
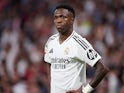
68 7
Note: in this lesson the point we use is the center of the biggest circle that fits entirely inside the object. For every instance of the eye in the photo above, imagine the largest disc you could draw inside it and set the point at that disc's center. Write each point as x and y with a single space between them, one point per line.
55 17
60 16
63 17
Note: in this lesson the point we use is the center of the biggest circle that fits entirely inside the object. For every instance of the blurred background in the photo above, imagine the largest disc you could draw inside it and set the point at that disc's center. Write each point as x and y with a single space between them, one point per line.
25 26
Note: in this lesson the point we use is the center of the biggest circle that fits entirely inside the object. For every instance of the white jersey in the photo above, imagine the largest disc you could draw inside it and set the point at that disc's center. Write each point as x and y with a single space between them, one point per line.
68 61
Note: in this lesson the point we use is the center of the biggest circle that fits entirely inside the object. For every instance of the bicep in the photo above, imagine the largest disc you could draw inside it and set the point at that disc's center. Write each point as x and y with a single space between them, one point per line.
100 65
100 71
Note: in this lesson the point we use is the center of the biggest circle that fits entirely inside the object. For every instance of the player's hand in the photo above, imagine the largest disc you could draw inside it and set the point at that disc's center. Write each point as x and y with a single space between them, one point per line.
75 91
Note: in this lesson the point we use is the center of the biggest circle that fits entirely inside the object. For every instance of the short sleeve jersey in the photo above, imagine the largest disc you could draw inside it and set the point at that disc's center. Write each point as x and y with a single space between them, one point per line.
68 61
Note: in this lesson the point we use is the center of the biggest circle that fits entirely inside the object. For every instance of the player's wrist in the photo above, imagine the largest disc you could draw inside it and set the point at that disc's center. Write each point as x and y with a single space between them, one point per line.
87 89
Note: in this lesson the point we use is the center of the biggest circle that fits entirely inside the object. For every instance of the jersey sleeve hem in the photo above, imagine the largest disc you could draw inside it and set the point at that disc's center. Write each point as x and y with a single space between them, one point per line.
93 63
47 59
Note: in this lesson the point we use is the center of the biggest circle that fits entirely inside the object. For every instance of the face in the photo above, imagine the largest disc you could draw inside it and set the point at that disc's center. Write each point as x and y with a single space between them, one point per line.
63 20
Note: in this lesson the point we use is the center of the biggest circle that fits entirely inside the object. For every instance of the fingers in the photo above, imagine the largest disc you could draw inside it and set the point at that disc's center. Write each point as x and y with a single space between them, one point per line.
70 91
75 91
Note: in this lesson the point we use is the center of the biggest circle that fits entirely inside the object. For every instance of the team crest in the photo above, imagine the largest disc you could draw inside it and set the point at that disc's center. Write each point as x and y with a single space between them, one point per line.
67 50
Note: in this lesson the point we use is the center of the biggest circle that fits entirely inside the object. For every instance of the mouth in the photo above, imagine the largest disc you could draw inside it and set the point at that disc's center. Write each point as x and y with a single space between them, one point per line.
59 26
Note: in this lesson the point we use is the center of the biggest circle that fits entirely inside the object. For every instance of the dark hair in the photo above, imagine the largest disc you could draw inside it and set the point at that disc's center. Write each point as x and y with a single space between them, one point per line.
65 6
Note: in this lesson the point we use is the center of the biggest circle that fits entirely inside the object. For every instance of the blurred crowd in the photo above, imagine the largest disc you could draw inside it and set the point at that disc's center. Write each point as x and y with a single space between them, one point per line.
25 26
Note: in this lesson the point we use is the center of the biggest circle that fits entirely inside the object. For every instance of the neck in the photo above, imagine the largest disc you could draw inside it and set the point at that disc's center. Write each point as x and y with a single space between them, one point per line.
63 37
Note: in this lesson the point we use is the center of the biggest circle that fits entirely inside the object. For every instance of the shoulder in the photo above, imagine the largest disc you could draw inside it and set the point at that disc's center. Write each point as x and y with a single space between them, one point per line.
78 37
51 38
81 41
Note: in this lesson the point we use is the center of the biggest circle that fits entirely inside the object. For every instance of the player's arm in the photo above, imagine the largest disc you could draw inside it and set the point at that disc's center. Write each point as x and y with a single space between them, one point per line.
48 74
100 72
48 70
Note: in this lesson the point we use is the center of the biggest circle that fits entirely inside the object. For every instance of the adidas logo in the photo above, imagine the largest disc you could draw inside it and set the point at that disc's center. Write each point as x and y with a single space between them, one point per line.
51 51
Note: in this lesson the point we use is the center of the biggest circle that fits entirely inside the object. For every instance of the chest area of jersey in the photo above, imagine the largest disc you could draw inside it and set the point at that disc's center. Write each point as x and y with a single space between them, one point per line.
61 50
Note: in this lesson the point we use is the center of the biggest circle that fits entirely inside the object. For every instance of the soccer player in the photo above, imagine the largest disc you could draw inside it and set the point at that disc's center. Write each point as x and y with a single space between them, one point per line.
68 53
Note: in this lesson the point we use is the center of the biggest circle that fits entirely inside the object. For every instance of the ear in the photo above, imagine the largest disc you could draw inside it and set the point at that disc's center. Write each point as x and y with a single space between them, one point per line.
72 20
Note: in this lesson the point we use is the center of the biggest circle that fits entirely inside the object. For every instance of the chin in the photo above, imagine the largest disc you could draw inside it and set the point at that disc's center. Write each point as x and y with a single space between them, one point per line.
61 31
